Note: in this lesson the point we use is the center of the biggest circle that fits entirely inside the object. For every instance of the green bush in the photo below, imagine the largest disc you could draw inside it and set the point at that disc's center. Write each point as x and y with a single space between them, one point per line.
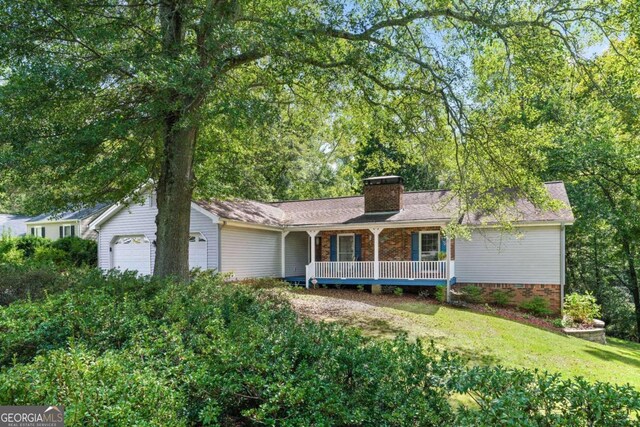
441 293
120 350
472 294
619 313
581 308
397 291
51 255
29 244
12 255
501 298
63 253
20 281
81 252
537 306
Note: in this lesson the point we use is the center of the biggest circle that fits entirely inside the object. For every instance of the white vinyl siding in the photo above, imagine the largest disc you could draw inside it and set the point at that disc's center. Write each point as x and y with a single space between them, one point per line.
296 257
140 219
531 255
250 252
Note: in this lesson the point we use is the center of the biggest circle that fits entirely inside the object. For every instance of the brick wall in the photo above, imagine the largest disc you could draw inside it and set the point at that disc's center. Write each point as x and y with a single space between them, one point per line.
395 243
520 293
383 197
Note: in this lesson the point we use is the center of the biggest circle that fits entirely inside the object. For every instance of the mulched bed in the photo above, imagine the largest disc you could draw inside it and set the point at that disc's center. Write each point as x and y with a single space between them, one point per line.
389 300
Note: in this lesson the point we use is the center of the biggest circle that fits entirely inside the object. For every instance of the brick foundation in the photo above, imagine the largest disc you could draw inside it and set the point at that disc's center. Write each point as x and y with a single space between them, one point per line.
520 293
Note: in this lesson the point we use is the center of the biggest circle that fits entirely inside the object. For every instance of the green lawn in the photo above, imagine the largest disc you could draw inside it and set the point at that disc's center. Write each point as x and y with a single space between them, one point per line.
480 338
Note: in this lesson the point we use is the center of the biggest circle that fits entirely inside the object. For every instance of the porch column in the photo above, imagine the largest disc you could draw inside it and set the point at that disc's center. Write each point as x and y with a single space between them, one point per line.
376 251
448 269
283 237
311 271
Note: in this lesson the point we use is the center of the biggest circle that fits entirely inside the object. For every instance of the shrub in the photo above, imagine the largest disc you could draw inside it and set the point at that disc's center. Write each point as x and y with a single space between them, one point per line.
472 294
28 244
51 255
12 255
81 252
19 282
537 306
441 293
397 291
120 350
501 298
581 308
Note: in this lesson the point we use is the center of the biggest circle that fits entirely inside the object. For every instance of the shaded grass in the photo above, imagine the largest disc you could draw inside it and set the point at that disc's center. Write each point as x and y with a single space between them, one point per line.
486 339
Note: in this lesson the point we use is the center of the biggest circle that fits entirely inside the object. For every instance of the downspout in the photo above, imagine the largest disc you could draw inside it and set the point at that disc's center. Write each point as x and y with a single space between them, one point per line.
562 264
220 226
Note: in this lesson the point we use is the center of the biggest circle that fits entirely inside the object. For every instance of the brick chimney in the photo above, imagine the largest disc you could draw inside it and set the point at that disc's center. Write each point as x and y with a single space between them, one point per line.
383 194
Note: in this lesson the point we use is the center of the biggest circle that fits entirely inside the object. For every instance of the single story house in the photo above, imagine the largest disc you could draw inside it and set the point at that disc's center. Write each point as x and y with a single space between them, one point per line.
66 224
385 237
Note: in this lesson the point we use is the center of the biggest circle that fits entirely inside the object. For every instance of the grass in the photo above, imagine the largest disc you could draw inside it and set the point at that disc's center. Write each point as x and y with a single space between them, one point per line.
483 338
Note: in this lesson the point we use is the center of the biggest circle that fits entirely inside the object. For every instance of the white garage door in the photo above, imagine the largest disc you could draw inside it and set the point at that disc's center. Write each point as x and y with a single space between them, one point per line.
197 251
132 253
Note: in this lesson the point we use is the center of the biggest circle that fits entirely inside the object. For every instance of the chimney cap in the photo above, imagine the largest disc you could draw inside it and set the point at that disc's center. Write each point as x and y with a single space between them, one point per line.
389 179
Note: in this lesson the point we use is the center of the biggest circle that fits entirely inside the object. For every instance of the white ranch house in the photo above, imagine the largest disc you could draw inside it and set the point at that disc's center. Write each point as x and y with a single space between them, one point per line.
385 237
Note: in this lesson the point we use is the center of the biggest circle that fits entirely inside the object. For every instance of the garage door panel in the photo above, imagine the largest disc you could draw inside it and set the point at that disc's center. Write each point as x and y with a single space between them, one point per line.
197 251
132 253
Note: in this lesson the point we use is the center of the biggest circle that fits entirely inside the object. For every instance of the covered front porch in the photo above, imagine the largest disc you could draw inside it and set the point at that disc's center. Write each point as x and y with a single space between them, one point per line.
394 256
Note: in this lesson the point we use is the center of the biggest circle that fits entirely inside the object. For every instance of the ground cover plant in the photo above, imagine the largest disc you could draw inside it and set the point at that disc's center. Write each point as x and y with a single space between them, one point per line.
120 350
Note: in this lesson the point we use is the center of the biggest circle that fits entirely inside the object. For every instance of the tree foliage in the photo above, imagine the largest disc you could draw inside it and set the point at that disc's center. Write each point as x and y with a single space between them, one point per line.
99 96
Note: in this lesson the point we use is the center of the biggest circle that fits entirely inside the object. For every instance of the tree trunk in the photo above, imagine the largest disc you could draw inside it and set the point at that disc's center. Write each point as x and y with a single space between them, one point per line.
633 281
175 184
174 193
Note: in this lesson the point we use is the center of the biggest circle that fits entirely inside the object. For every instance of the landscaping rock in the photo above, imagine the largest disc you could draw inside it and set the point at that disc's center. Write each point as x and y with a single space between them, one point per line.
593 334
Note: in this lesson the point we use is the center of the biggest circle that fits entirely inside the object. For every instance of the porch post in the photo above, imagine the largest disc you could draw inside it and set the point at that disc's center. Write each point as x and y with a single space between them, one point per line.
376 252
282 253
448 269
311 271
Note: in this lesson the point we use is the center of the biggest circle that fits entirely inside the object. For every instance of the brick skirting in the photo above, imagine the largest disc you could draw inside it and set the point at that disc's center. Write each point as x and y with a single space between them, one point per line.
521 293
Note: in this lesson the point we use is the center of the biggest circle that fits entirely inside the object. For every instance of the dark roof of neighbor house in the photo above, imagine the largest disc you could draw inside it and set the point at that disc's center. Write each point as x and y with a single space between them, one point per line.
13 224
434 205
80 214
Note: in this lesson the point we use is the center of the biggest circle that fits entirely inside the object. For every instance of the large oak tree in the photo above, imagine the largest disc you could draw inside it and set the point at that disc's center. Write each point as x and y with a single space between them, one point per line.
100 96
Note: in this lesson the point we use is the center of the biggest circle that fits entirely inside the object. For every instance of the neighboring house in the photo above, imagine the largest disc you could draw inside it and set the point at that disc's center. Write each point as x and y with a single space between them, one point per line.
72 223
386 237
13 225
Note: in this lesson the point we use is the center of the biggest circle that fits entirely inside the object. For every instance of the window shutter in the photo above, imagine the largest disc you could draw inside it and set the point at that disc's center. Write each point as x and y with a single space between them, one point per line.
358 247
333 248
415 246
73 230
443 244
33 231
61 232
42 231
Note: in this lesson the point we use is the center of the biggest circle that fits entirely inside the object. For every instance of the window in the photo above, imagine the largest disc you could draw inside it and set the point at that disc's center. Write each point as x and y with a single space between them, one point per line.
37 231
429 246
67 230
346 247
131 240
196 237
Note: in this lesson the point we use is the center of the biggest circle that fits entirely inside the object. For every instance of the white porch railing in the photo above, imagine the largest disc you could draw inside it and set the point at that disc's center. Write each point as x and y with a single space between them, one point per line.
344 270
413 270
409 270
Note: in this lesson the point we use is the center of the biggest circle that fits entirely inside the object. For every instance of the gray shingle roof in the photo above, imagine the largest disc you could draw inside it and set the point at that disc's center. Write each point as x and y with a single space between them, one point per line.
436 205
13 224
72 215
